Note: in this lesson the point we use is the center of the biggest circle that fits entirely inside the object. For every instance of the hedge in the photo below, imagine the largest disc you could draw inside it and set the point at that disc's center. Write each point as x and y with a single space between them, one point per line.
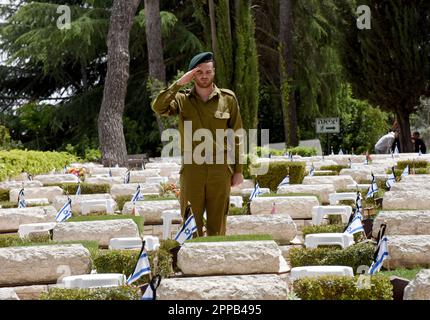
301 151
124 261
115 293
4 195
14 162
353 256
343 288
401 164
399 172
277 171
330 173
86 188
337 168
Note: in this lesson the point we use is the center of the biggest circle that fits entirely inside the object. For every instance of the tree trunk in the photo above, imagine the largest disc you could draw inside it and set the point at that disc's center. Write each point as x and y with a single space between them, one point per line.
157 68
110 125
286 45
405 132
213 26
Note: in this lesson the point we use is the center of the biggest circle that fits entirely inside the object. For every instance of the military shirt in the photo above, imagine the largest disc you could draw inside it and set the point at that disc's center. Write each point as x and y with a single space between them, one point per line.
220 111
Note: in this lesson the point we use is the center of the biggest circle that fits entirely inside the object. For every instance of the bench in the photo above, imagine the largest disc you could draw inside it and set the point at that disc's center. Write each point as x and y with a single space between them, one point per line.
318 239
336 197
318 271
86 205
236 201
168 216
86 281
319 212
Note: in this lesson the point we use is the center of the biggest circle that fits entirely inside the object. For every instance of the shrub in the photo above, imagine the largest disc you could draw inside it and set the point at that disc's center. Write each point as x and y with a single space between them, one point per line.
337 168
124 261
330 173
302 151
115 293
86 188
401 164
4 195
278 171
328 228
343 288
233 211
14 162
398 172
353 256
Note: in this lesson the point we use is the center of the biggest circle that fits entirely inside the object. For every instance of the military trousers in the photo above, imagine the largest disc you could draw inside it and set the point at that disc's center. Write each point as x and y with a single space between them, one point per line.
207 188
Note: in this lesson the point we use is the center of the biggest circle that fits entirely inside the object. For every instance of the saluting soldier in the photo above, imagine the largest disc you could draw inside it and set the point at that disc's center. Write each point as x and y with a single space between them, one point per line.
206 185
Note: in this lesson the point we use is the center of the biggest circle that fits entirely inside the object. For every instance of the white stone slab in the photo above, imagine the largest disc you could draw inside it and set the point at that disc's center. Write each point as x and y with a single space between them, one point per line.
18 184
418 288
98 205
236 201
412 200
226 258
8 294
141 175
56 178
403 222
104 180
405 186
10 219
42 264
36 193
125 243
281 227
101 231
26 229
101 280
244 287
318 271
342 196
246 192
357 174
320 190
339 182
408 251
129 189
37 202
116 172
151 210
246 184
295 207
77 200
156 180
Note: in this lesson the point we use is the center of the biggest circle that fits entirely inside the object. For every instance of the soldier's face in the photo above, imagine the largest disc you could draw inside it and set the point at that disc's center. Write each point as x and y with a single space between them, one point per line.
204 76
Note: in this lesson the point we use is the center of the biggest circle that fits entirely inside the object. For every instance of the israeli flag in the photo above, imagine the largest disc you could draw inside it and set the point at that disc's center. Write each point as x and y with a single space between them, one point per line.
127 177
405 172
110 173
78 191
419 151
332 152
340 152
381 256
350 163
187 230
138 196
391 179
142 266
358 204
65 169
373 188
21 199
285 182
355 225
149 294
312 171
65 212
396 150
255 193
29 177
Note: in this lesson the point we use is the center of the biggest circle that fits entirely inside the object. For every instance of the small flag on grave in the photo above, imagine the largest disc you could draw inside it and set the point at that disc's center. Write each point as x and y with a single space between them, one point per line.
138 196
21 199
355 225
391 179
405 172
340 152
373 188
284 182
396 149
142 266
110 172
151 289
358 204
255 193
273 208
312 171
78 191
29 177
381 252
189 227
65 212
127 177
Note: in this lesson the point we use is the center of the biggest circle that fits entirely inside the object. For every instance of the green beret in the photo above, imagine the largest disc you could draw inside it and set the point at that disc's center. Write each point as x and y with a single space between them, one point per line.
200 58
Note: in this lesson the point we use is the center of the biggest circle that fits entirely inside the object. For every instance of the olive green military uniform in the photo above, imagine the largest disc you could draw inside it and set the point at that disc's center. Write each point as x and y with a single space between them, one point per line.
206 186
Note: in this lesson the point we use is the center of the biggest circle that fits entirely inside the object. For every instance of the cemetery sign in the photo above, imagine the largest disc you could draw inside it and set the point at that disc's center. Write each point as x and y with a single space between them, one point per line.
327 125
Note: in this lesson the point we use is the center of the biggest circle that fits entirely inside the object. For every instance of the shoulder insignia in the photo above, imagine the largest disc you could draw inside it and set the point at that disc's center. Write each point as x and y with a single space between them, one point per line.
228 92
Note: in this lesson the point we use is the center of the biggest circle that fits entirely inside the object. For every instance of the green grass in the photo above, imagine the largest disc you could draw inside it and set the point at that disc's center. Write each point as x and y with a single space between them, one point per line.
137 219
250 237
402 273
